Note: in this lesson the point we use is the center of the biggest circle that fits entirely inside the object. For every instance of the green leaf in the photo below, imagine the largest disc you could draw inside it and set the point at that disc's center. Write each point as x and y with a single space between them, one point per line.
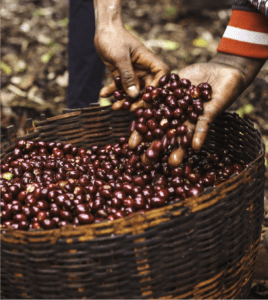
6 68
45 58
64 22
104 102
200 42
169 45
246 109
128 27
55 47
170 11
37 13
50 43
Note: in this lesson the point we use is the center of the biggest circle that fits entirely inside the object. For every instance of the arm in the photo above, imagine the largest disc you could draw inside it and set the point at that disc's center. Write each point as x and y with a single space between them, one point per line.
241 54
229 75
123 53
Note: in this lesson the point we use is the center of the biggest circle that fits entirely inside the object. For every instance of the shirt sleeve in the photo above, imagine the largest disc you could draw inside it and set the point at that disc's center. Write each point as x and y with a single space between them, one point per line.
246 35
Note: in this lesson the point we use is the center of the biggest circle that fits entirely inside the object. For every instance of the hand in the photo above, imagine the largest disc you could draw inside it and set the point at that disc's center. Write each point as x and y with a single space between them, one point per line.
228 76
126 56
226 83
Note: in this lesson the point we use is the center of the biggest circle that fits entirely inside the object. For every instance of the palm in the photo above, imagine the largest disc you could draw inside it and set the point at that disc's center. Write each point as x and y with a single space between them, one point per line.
226 85
225 82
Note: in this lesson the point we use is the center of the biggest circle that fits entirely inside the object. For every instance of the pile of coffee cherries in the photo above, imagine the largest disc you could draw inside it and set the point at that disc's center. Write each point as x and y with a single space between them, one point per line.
50 185
170 105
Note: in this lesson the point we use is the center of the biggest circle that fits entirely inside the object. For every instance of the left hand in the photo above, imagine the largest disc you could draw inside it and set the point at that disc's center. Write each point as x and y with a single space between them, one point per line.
228 79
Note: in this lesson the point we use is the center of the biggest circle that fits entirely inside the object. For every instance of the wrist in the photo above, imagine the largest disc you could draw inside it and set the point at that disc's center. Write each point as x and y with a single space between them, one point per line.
107 13
247 67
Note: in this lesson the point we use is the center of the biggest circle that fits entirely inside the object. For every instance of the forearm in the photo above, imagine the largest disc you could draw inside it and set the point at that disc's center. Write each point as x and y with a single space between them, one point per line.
248 67
107 12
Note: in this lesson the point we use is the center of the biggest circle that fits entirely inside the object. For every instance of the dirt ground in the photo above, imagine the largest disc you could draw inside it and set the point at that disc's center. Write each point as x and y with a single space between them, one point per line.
34 39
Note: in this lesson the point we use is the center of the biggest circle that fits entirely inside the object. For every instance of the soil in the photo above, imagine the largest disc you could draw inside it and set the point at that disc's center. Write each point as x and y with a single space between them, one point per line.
34 75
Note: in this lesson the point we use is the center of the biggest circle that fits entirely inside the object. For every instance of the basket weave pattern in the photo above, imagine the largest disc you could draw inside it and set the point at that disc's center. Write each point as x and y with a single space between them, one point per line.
203 247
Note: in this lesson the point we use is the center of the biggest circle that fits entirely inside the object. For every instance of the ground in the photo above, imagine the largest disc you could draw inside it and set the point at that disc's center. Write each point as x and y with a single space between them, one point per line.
34 75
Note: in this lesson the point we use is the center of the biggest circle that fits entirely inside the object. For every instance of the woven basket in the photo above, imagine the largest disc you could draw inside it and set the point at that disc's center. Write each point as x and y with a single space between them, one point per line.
204 247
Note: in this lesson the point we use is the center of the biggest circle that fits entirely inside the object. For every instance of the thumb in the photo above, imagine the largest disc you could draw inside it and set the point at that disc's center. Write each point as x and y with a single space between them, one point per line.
129 80
201 130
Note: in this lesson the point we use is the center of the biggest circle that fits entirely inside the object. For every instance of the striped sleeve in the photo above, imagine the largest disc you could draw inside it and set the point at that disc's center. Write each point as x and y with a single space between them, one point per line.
246 35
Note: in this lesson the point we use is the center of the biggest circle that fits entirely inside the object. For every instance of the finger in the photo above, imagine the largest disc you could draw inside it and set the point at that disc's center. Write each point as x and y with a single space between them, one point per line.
130 81
135 139
136 105
145 160
148 80
201 130
163 70
147 105
176 157
108 90
118 104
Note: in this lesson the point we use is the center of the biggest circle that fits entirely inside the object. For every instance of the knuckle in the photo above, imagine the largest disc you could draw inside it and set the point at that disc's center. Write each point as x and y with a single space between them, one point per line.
165 68
128 78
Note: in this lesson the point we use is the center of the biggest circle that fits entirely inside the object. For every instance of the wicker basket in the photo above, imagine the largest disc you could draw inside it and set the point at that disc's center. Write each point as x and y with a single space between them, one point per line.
204 247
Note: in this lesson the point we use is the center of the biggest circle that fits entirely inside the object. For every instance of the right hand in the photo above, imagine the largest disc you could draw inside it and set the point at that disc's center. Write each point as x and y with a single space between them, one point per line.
125 55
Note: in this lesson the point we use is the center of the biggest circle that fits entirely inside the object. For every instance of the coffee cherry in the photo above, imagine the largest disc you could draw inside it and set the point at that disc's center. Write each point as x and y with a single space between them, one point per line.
118 95
151 154
195 92
155 94
141 128
205 95
157 201
174 77
193 117
178 112
158 114
163 80
117 81
147 97
152 124
171 133
158 133
48 224
126 105
186 141
185 83
193 191
182 130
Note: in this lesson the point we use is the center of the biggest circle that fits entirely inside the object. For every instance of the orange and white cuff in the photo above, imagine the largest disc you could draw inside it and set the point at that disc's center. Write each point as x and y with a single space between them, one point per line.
246 35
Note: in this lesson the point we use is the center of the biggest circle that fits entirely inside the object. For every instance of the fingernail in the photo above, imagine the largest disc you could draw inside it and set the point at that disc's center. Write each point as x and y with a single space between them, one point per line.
133 91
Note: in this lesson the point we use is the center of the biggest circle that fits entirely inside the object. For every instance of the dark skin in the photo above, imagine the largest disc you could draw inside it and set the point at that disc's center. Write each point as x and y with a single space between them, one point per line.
124 55
229 76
